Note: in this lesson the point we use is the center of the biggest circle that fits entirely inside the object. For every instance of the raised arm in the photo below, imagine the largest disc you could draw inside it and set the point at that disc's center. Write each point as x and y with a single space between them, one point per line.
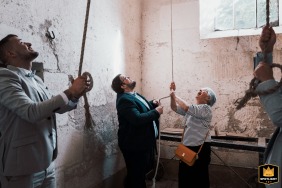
175 100
272 103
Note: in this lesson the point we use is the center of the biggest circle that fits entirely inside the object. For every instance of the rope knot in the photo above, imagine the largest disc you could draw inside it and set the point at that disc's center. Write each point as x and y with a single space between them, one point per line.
251 92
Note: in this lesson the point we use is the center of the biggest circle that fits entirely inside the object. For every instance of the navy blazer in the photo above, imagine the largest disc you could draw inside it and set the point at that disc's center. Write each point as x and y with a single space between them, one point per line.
136 130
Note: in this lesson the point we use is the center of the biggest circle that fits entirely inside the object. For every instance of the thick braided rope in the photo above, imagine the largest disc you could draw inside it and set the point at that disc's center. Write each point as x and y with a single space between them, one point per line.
267 25
252 93
267 12
84 37
88 118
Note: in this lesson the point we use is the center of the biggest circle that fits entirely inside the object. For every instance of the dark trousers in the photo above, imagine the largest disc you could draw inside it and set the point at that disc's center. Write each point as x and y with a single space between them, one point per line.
138 163
196 176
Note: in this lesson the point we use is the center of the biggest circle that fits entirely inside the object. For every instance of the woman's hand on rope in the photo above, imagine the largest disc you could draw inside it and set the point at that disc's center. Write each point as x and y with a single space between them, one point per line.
172 94
263 72
267 39
172 89
172 86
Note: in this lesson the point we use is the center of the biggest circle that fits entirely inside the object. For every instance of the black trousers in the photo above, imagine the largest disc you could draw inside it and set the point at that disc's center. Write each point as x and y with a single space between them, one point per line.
138 163
196 176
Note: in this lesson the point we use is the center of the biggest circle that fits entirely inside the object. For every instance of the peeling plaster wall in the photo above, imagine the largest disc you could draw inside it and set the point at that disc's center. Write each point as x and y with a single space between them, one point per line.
224 64
113 45
118 41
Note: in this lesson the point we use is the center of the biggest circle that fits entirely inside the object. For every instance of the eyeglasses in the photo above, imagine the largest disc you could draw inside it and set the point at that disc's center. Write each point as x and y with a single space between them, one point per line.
124 78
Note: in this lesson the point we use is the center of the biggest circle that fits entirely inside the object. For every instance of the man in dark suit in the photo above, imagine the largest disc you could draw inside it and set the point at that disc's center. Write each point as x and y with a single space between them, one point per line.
138 130
28 133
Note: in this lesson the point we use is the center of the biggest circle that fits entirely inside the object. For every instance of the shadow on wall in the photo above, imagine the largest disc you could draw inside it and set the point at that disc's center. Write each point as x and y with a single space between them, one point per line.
115 180
90 156
83 162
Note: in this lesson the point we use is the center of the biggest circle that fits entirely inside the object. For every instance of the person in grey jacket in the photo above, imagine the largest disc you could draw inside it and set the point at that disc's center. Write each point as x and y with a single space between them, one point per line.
272 103
28 132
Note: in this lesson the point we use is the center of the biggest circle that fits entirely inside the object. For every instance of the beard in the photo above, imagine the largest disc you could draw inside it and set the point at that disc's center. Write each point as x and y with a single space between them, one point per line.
131 85
31 56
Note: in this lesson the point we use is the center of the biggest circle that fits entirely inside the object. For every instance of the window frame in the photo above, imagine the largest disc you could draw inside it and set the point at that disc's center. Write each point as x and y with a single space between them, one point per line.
207 31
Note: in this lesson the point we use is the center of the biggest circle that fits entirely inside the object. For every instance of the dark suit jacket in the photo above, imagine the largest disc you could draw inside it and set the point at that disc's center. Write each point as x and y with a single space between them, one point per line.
136 130
27 119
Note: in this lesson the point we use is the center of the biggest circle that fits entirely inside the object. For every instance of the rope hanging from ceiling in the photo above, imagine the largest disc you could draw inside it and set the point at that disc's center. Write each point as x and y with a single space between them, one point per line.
88 118
158 169
171 41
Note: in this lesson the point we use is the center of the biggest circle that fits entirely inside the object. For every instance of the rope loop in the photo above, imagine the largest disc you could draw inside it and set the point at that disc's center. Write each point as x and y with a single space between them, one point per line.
251 92
89 77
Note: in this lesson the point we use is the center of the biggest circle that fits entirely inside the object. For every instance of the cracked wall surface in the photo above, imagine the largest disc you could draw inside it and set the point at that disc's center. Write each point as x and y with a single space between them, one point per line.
113 42
224 64
132 37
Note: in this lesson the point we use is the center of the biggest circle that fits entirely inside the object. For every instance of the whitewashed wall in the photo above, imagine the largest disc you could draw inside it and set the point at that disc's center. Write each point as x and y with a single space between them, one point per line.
86 157
132 37
225 65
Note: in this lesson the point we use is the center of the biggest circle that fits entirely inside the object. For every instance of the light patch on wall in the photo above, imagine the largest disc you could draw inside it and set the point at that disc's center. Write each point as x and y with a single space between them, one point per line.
207 17
183 16
118 57
6 30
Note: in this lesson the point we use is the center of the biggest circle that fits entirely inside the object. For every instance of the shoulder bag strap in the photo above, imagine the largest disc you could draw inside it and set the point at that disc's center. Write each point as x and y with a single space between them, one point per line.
203 143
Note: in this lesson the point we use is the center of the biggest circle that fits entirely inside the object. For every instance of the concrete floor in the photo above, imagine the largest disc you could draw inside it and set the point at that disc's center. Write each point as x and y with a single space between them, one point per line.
220 177
163 184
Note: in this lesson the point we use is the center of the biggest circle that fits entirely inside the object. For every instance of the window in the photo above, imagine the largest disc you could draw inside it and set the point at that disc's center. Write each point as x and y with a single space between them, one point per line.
223 18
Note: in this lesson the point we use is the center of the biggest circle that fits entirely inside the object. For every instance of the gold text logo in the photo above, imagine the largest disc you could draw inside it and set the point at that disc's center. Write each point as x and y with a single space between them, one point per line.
268 174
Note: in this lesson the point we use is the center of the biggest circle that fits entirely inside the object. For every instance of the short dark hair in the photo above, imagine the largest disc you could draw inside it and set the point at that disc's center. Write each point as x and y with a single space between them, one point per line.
3 46
116 84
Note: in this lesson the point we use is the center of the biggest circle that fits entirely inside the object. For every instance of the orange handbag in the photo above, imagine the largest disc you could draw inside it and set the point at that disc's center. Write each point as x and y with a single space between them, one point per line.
187 155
